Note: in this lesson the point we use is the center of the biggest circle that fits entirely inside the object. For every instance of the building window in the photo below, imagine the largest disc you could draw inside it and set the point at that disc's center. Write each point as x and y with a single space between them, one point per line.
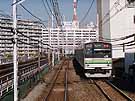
131 4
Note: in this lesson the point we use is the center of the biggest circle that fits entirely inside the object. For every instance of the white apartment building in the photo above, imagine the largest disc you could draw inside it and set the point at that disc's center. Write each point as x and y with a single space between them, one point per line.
31 29
117 20
67 39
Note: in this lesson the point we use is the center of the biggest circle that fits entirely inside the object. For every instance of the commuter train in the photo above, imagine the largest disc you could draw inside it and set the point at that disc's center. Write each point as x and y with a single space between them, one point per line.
96 59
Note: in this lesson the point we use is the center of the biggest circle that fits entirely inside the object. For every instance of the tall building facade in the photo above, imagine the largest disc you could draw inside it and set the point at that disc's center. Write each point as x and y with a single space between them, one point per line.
32 29
117 20
67 38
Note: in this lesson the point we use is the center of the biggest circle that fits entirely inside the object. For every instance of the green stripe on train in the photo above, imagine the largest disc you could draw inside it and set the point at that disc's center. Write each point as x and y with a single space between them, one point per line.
98 61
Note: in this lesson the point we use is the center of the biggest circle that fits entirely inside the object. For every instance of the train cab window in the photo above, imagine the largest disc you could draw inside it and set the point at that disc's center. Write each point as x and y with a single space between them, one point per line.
88 53
98 54
102 54
107 54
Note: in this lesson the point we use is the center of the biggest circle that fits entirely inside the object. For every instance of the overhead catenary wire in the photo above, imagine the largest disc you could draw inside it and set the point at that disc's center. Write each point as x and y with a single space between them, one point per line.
110 10
101 23
31 44
122 8
37 18
87 11
46 8
129 43
118 39
34 17
58 17
41 21
56 12
33 39
49 7
11 39
23 36
126 43
118 11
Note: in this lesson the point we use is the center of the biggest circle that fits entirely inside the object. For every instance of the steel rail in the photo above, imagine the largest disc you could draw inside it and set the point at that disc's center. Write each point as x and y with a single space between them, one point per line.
104 93
65 87
118 90
66 83
53 84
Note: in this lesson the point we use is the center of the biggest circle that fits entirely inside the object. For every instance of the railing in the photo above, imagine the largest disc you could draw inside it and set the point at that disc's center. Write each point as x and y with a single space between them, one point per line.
10 60
26 71
6 84
6 60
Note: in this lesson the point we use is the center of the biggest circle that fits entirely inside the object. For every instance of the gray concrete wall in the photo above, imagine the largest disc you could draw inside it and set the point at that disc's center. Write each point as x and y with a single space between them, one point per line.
103 7
129 59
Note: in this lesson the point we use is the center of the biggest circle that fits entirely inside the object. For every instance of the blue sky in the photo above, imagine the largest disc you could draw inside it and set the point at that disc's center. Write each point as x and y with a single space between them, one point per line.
37 8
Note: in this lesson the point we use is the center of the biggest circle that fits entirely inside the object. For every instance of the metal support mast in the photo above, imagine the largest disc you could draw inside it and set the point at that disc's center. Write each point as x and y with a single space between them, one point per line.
15 62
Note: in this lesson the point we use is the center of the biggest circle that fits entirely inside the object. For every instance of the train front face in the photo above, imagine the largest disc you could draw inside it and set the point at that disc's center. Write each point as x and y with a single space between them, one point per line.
98 60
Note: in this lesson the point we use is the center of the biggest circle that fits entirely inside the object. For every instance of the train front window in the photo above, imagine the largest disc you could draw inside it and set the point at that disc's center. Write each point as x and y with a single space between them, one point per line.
88 53
102 54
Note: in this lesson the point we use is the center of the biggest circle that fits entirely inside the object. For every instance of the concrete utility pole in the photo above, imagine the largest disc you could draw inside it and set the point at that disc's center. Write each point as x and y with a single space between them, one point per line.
15 62
52 20
39 56
58 34
49 32
42 43
28 41
15 50
98 27
52 57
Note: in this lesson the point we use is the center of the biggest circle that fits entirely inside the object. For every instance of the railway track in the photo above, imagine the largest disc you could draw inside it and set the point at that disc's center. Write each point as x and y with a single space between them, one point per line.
111 92
59 87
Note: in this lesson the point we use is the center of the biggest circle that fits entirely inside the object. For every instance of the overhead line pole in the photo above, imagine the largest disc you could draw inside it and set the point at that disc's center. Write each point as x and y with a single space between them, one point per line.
15 62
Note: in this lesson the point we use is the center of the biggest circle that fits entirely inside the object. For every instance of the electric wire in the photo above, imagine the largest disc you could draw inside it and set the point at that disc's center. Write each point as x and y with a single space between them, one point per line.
108 13
104 22
33 39
46 8
118 11
49 8
33 15
87 12
121 9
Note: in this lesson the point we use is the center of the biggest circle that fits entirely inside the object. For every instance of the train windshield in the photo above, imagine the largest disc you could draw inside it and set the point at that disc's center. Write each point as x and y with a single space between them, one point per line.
102 50
102 54
98 50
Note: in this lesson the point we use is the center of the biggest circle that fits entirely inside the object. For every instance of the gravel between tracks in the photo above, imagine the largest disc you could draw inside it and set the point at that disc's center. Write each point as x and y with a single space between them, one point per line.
78 88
